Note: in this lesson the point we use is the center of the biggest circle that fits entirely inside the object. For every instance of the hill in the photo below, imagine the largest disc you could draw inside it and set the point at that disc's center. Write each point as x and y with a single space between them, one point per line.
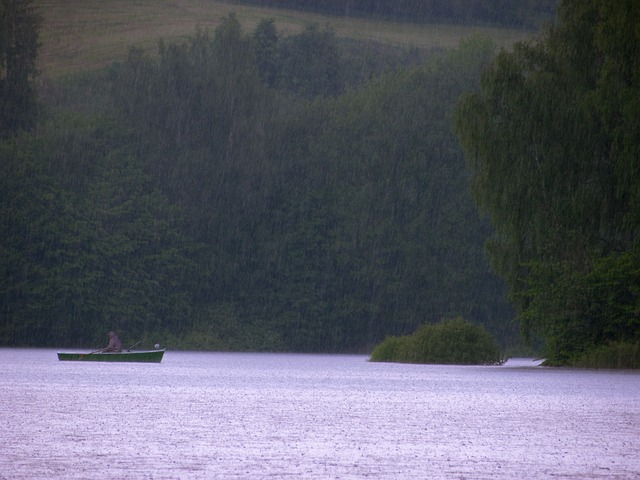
78 35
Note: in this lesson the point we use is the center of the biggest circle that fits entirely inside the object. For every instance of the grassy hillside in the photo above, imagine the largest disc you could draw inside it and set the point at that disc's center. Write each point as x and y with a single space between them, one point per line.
79 35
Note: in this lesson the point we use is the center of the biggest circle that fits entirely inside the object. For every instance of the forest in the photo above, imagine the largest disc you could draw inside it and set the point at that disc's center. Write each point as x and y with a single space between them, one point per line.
244 190
523 13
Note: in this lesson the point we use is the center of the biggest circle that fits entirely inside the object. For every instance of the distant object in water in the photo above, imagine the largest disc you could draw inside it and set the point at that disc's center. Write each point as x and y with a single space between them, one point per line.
523 362
148 356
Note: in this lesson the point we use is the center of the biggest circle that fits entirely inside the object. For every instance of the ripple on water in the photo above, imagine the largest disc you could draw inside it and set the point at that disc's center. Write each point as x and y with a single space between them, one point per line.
215 415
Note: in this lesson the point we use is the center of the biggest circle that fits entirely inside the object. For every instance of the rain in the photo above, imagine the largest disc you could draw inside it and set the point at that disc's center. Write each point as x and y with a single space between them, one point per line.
376 239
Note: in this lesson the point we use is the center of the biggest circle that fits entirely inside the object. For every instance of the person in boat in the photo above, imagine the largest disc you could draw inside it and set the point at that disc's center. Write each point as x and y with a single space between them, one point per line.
115 345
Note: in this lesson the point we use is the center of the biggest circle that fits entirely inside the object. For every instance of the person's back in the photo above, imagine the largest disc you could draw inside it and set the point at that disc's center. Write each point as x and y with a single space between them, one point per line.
115 345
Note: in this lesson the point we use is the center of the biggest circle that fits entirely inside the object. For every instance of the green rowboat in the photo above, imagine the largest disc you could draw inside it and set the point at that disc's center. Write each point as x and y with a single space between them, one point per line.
149 356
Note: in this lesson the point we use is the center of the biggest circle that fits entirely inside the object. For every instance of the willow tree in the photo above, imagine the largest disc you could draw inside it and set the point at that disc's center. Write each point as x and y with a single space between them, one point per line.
553 140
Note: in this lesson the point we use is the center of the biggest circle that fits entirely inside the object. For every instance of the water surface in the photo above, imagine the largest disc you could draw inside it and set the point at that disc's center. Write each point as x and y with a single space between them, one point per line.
237 416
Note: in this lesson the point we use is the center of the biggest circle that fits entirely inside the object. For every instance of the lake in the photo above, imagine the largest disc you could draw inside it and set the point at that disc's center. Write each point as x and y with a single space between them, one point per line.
253 415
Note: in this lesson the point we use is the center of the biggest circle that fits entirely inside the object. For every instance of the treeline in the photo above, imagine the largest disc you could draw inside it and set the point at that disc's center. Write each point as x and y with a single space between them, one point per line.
238 191
523 13
554 142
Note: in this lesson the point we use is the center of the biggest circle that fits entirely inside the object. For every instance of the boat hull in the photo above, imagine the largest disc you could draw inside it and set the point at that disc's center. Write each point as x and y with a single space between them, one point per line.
148 356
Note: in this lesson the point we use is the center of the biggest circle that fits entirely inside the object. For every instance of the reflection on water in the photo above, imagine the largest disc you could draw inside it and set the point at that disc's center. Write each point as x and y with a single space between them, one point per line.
237 416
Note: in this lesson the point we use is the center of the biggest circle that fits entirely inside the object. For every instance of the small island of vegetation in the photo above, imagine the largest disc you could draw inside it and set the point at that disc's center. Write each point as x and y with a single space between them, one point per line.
452 341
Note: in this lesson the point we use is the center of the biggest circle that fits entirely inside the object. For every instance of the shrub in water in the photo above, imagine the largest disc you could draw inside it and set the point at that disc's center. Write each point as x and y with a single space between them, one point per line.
389 350
453 341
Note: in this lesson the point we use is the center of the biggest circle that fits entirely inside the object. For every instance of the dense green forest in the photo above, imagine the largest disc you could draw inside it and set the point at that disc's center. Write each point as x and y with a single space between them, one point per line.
245 191
553 138
252 191
523 13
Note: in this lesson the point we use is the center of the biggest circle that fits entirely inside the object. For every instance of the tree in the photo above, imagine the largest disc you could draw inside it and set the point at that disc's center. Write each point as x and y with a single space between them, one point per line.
309 63
554 145
265 37
19 31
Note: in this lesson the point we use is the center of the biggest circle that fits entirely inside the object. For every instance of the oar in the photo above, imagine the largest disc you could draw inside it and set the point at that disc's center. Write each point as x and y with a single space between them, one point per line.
134 345
82 355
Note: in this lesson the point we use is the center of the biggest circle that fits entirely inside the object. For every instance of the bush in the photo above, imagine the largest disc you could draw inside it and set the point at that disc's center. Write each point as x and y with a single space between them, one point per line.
389 350
453 341
614 355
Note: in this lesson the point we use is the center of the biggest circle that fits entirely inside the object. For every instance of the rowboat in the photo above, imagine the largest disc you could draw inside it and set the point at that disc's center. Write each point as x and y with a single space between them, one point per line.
149 356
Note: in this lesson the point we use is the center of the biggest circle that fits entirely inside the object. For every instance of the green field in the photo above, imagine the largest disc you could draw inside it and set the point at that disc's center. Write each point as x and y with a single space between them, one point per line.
81 35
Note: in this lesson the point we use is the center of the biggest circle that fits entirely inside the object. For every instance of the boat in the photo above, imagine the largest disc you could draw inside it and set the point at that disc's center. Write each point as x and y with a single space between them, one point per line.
149 356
